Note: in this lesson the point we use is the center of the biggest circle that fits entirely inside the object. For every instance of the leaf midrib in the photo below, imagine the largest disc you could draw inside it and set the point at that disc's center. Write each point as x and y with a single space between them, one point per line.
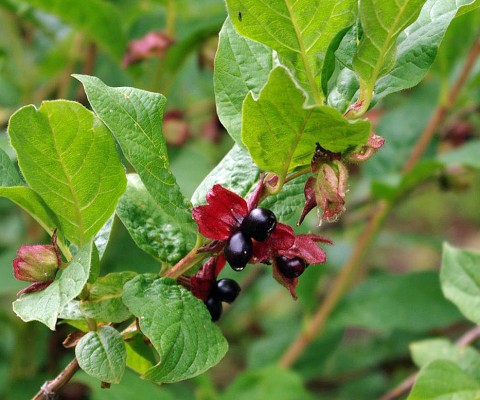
69 183
386 44
303 54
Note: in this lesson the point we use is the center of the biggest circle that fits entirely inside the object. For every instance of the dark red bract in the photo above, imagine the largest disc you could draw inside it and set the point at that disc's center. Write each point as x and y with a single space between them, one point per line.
223 214
222 217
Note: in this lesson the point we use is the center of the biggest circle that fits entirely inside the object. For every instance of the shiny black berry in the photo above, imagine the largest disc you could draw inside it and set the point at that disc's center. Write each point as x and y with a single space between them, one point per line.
238 250
291 267
259 224
226 290
214 307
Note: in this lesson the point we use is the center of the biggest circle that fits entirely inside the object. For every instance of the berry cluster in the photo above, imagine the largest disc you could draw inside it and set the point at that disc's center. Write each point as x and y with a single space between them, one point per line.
242 233
258 225
225 290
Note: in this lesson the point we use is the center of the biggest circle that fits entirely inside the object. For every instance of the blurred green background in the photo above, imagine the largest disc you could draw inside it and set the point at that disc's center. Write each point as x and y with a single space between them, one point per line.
396 299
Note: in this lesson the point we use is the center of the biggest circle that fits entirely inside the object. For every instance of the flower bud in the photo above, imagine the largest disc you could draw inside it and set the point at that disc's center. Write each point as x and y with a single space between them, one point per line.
36 263
331 189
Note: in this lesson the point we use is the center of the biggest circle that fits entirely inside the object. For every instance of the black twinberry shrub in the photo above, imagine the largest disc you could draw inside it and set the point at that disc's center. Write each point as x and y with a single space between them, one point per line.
214 307
226 290
259 224
238 250
291 267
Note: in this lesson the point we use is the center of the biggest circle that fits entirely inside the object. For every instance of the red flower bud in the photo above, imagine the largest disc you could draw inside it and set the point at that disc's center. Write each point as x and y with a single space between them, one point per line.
38 264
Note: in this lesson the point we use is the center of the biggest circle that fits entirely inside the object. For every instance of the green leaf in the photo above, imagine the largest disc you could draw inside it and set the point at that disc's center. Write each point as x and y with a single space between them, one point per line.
139 357
102 25
178 325
9 175
471 7
46 305
443 380
102 354
460 278
236 172
300 31
466 357
152 230
103 236
268 383
281 134
466 155
400 295
135 118
32 203
241 65
105 298
69 158
12 187
345 35
289 201
382 22
417 47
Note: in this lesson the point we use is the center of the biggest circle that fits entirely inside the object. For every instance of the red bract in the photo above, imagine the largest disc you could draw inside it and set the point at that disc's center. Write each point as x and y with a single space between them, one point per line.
202 282
282 238
222 215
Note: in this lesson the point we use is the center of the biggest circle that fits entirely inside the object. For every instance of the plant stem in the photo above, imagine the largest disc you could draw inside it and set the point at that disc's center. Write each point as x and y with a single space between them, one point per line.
441 111
469 337
367 237
338 288
49 388
185 263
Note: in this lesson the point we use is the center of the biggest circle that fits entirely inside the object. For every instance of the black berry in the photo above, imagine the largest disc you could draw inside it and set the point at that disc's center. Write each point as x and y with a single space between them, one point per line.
226 290
214 307
238 250
291 267
259 224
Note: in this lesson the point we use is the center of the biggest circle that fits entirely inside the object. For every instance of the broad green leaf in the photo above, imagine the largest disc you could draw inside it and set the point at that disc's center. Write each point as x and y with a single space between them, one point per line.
69 158
12 187
46 305
382 22
300 31
9 175
400 295
466 357
460 278
281 134
103 236
443 380
135 118
268 383
32 203
466 155
236 172
98 19
104 302
417 46
151 228
102 354
72 311
474 5
289 201
346 35
140 358
178 325
241 65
